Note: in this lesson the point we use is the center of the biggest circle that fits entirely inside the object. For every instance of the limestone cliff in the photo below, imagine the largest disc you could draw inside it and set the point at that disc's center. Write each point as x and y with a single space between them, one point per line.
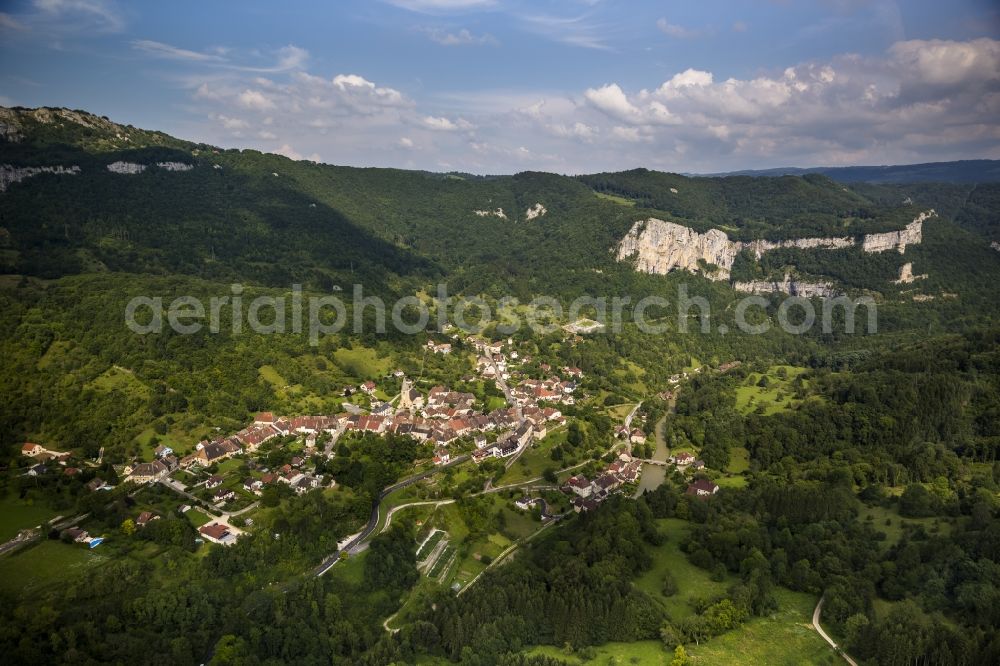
906 275
10 174
759 247
912 234
535 211
129 168
175 166
787 286
660 247
491 213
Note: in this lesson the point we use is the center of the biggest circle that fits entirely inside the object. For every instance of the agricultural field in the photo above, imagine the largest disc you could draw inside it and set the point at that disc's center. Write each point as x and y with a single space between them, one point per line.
16 515
47 563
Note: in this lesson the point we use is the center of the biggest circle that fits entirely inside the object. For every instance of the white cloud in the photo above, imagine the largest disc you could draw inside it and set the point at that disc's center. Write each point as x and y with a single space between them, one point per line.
8 22
441 6
96 15
230 123
689 77
673 30
293 154
941 62
255 100
461 38
919 101
442 124
581 31
172 52
611 99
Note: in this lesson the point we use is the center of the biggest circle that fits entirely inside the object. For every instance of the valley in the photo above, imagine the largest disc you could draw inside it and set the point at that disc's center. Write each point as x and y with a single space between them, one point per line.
581 488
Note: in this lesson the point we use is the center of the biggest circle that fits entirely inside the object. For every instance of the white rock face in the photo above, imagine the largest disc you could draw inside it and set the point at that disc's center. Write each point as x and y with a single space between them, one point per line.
491 213
995 245
11 174
129 168
759 247
787 286
660 247
535 211
175 166
906 275
912 234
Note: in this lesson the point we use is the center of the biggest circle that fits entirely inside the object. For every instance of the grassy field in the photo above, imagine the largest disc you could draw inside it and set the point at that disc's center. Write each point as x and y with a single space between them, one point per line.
692 582
784 638
119 379
270 375
614 198
533 462
47 563
641 652
894 530
739 460
16 515
778 395
197 518
361 362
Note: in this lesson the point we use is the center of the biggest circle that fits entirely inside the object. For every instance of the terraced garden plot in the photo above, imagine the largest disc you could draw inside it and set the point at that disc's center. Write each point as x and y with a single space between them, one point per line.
428 545
443 562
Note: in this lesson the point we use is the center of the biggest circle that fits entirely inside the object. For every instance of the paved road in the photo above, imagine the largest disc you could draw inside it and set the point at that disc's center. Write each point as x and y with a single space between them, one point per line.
355 545
819 609
631 415
388 516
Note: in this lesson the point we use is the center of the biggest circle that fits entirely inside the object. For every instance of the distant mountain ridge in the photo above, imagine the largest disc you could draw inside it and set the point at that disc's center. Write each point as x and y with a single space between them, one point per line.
961 171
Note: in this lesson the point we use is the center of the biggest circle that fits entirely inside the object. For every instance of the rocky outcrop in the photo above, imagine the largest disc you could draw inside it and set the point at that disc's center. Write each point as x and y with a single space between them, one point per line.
995 245
787 286
759 247
906 275
11 174
491 213
660 247
535 211
175 166
129 168
912 234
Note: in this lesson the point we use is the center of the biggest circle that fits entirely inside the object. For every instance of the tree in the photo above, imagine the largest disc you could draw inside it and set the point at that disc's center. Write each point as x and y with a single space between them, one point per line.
680 657
128 527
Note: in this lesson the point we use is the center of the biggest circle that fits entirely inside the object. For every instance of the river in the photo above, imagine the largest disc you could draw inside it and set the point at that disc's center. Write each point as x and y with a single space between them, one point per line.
653 475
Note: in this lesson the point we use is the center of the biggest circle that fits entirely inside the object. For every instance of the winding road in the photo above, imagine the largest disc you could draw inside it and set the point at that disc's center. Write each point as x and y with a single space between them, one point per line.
826 637
355 545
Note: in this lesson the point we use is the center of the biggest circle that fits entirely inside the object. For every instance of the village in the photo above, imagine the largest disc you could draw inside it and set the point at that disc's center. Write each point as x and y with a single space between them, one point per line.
224 477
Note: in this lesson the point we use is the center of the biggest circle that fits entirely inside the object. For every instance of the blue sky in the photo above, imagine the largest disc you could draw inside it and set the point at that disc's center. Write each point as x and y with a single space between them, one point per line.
499 86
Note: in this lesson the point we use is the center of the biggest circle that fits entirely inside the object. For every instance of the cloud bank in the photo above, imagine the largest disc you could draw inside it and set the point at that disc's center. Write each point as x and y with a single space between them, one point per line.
920 100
